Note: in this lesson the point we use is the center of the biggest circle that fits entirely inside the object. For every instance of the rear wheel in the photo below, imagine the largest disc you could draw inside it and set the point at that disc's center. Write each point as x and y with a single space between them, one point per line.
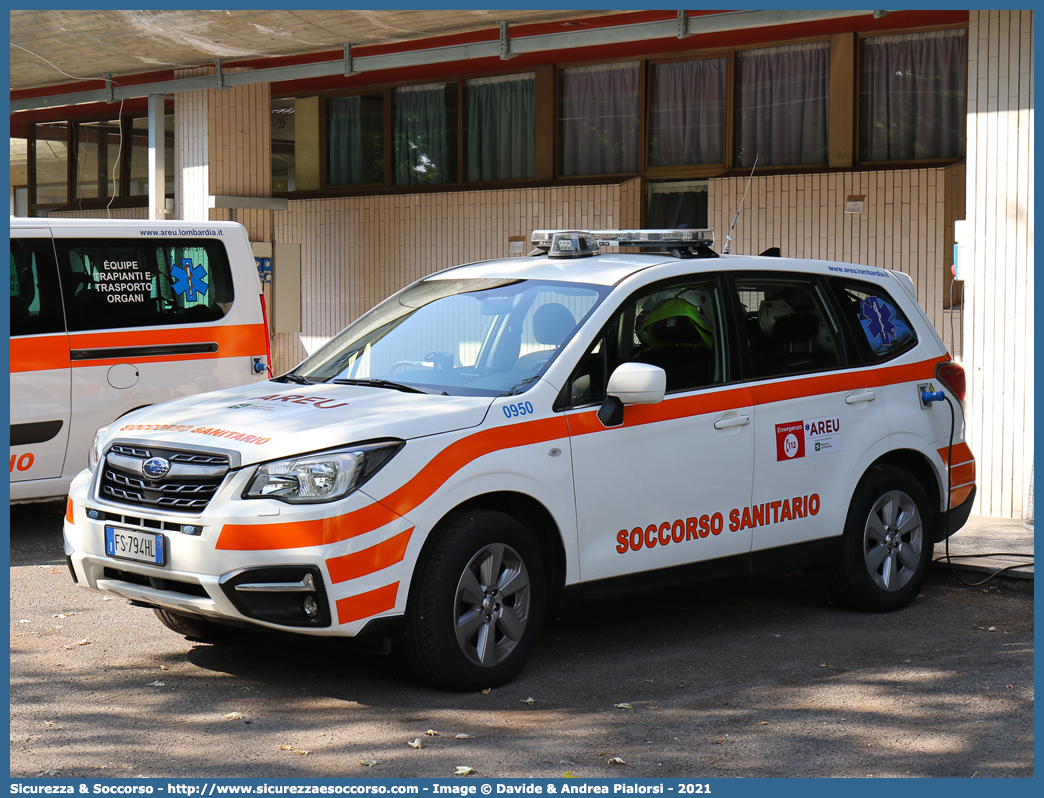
887 542
196 628
477 603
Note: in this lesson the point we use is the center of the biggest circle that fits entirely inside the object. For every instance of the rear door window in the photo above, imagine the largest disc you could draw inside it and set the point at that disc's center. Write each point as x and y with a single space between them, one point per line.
787 323
116 283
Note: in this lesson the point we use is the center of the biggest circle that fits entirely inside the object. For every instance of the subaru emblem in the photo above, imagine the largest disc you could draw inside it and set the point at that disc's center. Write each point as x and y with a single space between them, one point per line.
155 467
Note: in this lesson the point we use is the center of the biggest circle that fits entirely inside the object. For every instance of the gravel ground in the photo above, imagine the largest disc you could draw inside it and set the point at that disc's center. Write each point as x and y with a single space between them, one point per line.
761 678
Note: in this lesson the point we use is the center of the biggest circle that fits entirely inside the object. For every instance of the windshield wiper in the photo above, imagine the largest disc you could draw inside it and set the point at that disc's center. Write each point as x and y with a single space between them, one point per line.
379 383
517 386
295 378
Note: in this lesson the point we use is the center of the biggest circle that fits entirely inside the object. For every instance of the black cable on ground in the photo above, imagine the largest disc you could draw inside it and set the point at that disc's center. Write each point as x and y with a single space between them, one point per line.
949 490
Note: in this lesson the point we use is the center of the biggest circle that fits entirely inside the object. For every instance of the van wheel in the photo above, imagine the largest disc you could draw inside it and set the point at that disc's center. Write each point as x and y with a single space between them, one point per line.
195 628
477 603
887 542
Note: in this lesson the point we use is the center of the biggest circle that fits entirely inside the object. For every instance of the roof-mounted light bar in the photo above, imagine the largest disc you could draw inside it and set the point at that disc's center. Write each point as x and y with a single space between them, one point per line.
583 243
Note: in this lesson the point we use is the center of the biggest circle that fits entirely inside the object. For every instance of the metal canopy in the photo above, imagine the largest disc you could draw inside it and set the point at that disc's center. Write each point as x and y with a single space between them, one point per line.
583 37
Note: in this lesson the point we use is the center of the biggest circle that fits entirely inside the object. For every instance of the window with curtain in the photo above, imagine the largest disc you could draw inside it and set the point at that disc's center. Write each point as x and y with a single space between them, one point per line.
687 113
782 105
599 119
501 127
911 96
354 140
425 143
673 204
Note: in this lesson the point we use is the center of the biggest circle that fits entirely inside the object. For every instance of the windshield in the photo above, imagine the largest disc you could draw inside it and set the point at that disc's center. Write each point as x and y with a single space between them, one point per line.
484 337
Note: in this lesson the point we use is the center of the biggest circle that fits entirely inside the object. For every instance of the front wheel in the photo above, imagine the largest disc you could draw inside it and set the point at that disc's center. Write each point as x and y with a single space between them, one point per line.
477 603
887 542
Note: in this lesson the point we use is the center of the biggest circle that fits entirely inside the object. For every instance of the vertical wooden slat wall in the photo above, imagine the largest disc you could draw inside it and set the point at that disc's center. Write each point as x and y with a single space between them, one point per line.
356 251
191 151
997 261
906 223
240 157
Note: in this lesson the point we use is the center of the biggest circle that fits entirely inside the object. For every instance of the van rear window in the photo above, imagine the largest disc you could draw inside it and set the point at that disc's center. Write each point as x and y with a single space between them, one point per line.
110 283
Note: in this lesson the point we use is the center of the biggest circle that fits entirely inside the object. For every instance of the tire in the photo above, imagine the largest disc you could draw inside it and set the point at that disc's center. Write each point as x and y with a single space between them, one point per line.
195 628
476 604
887 542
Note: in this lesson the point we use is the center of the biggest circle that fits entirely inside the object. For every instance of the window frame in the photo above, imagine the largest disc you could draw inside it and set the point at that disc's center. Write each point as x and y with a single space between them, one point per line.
861 37
122 199
826 294
606 332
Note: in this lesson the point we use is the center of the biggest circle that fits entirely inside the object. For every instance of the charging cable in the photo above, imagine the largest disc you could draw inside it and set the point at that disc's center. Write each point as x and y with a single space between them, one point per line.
939 396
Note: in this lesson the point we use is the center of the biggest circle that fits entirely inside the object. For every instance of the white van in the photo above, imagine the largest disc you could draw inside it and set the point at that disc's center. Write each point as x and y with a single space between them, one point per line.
504 436
108 316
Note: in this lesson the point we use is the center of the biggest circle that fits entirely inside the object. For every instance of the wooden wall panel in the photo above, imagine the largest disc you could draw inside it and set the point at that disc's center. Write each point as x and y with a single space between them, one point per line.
356 251
997 262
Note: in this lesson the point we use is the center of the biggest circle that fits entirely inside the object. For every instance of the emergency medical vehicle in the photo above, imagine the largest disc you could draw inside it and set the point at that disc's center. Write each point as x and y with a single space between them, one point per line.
507 435
108 316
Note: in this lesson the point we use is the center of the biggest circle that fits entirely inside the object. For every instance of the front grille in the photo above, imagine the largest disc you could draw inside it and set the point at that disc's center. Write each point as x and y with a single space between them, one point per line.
188 487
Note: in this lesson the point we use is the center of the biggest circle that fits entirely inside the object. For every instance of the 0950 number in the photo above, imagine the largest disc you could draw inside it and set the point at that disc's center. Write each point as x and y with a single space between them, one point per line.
518 409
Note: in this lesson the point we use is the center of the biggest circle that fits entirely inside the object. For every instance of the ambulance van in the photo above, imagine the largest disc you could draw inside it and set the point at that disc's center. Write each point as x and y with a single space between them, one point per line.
109 316
617 411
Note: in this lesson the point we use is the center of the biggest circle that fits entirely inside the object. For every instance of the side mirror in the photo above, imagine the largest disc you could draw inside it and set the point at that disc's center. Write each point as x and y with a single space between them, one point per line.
631 384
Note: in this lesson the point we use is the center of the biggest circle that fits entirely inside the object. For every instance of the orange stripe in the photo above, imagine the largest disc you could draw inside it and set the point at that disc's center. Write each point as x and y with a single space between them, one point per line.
668 410
39 353
375 558
69 510
355 608
253 537
962 474
962 453
36 353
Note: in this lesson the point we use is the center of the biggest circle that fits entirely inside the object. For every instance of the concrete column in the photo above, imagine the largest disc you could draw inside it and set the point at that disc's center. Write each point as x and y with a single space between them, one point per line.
157 165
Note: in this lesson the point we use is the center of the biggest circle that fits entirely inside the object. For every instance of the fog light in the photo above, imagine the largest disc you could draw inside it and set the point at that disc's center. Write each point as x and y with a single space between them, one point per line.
188 529
93 514
311 607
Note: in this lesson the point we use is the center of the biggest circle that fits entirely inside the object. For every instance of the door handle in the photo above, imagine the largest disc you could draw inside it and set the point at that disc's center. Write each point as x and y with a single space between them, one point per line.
735 421
862 396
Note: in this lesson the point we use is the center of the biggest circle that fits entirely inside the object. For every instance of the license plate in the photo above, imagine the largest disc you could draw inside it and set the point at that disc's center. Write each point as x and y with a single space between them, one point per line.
127 544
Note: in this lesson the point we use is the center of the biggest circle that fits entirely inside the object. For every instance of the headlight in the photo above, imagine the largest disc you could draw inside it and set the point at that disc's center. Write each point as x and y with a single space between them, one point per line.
95 453
321 477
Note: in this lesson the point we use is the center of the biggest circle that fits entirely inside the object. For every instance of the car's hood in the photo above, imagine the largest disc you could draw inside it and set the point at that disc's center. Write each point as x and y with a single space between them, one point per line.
267 420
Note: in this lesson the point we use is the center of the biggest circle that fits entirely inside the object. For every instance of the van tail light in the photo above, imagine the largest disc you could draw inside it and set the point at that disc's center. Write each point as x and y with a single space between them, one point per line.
951 375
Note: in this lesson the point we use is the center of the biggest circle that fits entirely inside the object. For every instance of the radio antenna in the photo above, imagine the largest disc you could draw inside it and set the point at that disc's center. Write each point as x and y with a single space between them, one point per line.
728 238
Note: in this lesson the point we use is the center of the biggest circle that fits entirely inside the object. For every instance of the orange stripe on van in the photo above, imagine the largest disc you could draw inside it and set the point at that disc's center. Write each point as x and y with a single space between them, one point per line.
254 537
367 561
37 353
355 608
